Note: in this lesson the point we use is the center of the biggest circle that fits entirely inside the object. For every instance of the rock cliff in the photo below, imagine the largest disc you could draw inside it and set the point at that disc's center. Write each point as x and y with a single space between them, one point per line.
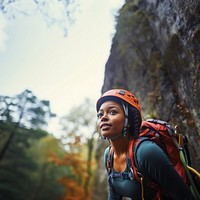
156 54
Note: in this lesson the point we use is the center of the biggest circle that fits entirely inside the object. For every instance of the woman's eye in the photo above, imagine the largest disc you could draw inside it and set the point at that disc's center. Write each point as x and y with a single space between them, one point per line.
99 115
113 112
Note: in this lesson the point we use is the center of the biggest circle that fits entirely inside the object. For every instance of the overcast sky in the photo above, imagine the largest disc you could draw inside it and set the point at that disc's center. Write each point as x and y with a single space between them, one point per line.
63 70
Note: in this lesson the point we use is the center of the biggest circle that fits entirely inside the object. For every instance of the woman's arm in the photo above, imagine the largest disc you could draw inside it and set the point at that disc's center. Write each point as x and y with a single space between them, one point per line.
153 162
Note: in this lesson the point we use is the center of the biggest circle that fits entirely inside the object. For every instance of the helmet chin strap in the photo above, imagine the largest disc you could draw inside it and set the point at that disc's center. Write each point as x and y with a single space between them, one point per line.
124 131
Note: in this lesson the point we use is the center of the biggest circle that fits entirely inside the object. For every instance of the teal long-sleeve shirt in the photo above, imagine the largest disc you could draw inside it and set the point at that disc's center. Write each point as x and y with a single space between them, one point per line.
155 167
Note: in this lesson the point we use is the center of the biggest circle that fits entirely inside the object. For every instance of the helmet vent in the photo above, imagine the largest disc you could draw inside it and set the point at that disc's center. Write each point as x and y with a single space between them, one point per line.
131 96
136 101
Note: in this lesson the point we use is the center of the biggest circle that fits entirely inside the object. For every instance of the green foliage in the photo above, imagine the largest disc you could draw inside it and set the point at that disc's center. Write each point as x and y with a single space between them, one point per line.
25 171
134 32
79 128
25 109
35 165
47 174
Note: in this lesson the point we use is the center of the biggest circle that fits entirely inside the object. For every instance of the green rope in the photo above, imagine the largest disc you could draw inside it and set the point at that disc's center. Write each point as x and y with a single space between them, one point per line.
193 187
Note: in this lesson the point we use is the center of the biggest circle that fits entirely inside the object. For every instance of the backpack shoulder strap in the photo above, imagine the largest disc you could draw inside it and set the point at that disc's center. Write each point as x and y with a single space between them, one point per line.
132 150
138 175
109 158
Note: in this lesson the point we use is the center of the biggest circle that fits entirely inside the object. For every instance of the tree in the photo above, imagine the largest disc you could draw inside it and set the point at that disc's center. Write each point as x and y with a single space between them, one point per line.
60 12
48 174
79 126
24 110
26 171
75 173
17 165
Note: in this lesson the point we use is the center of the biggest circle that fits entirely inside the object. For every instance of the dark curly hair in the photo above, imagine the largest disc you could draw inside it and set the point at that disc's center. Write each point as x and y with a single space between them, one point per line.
134 122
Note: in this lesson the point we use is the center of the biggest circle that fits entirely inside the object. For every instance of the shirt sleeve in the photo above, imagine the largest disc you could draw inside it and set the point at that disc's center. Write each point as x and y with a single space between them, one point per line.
154 163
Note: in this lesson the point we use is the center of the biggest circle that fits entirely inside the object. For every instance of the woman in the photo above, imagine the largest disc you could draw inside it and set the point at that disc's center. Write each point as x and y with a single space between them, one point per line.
119 121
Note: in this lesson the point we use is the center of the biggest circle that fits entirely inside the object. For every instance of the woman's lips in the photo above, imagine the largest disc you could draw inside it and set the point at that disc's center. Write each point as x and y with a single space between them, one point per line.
105 126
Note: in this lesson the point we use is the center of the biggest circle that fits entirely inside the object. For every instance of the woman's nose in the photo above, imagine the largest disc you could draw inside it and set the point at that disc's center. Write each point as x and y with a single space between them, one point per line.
104 117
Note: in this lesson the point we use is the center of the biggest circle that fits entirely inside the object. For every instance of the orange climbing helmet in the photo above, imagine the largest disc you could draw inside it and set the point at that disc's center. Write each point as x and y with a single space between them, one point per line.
121 94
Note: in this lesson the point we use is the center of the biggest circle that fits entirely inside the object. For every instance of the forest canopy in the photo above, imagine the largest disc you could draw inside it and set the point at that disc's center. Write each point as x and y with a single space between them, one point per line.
33 163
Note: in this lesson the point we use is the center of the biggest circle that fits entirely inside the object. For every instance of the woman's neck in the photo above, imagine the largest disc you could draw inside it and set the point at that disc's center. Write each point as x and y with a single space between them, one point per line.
120 145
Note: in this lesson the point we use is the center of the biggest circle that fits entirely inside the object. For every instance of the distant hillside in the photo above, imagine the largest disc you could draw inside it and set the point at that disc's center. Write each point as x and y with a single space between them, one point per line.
156 55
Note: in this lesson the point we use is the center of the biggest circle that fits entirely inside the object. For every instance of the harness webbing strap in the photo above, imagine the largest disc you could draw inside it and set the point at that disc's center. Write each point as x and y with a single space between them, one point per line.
109 162
142 187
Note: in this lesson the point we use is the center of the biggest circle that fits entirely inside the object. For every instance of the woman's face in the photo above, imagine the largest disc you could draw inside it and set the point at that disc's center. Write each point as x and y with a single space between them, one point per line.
110 119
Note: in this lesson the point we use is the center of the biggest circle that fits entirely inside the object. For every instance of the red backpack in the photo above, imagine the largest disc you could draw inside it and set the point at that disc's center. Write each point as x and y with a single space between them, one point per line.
164 136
